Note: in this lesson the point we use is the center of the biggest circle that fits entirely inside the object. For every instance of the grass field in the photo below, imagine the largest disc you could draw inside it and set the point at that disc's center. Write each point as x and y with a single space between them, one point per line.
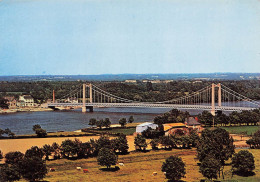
138 167
241 129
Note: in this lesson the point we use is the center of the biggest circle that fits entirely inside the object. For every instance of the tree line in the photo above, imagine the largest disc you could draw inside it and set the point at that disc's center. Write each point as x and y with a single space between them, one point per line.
144 92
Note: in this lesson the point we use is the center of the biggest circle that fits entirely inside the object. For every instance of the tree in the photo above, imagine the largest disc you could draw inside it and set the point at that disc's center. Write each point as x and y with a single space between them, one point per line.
34 152
174 168
92 122
39 131
47 150
9 173
68 148
243 162
3 103
120 144
1 154
13 157
106 157
131 119
140 142
32 168
155 143
37 126
107 122
210 167
100 123
56 150
166 142
122 122
206 118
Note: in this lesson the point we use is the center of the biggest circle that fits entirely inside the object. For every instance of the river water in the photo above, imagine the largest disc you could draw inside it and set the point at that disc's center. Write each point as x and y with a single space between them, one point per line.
22 122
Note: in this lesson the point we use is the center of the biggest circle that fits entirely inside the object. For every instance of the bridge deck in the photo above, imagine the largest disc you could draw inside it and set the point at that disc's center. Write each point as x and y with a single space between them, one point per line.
152 105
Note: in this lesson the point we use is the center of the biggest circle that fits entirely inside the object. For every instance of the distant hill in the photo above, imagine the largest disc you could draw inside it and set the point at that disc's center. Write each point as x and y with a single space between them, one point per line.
123 77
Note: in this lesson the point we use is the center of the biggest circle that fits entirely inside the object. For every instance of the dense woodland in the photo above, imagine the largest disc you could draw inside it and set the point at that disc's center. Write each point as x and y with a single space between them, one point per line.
146 92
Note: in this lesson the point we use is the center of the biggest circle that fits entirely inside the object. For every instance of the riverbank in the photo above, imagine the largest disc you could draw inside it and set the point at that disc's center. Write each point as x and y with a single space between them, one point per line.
27 109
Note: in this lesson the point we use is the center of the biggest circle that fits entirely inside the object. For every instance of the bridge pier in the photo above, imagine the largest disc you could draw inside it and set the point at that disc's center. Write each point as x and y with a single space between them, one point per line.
90 108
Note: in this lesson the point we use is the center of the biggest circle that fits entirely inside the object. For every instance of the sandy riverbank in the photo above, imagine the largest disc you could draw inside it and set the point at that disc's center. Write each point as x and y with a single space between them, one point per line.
31 109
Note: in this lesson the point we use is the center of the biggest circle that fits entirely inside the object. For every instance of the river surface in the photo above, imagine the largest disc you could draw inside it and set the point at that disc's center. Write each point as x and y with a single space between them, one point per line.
22 122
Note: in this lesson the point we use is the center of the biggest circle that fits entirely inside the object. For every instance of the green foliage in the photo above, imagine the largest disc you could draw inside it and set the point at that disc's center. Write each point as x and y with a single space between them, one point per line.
34 152
100 123
155 143
254 142
173 116
243 162
122 122
47 150
92 121
36 127
69 148
106 157
107 123
140 142
32 168
166 142
9 173
210 167
13 157
120 144
41 133
216 143
56 150
174 168
1 154
131 119
206 118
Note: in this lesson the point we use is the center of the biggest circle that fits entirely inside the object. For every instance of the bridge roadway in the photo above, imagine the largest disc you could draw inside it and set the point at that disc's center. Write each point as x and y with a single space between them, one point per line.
151 105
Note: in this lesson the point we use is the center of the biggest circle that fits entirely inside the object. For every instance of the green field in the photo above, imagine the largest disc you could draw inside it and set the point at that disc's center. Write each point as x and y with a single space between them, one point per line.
241 129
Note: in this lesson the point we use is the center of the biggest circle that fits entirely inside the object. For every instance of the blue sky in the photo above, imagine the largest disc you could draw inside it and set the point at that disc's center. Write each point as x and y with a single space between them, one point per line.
129 36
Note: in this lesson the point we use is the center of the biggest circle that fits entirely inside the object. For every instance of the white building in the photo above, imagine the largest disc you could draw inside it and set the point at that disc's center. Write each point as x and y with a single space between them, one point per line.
142 127
26 101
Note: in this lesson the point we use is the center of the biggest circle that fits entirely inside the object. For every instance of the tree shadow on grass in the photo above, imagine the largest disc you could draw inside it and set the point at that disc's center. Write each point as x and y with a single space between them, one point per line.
113 169
244 174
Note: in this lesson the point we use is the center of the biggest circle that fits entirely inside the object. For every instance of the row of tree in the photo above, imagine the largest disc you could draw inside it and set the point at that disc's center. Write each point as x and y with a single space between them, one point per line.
145 92
235 118
107 123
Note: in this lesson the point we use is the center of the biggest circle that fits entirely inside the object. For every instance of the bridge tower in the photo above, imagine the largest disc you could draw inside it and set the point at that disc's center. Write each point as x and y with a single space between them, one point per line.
84 98
213 110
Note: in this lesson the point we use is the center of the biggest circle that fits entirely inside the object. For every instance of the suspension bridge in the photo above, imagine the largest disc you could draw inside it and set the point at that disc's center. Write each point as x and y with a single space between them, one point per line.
215 97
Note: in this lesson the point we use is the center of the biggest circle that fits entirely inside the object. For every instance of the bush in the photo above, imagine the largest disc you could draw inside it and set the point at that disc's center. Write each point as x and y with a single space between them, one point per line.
243 162
106 157
174 168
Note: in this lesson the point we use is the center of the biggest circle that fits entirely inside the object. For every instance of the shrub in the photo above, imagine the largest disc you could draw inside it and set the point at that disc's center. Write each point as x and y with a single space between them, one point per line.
174 168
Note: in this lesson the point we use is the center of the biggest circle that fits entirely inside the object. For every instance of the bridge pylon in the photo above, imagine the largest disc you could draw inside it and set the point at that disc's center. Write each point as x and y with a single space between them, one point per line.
213 108
84 98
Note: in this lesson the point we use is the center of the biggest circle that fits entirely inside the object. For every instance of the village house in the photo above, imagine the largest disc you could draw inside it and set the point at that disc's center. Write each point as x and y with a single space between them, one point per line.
192 122
144 126
11 101
26 101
